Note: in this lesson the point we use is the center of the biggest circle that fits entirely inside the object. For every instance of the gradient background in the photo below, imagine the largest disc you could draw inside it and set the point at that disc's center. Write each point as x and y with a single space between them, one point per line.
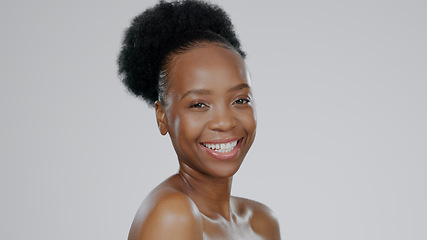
341 147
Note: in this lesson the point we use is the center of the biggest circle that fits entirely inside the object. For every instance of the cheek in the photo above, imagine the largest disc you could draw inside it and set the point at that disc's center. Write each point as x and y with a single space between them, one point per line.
174 125
191 126
249 122
183 133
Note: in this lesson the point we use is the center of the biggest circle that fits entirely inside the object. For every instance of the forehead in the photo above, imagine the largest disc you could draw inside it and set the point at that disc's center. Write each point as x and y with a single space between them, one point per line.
209 66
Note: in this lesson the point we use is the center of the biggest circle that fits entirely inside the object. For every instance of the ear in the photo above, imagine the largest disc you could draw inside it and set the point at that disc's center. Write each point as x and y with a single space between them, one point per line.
161 118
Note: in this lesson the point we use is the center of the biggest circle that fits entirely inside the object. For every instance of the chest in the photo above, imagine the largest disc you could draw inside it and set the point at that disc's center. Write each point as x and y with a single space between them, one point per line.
228 230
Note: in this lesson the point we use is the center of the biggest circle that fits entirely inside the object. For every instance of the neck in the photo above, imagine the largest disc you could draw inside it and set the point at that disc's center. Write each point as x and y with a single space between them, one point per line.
210 194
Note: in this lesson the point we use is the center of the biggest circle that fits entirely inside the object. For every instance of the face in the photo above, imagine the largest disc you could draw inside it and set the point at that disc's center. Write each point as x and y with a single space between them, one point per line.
209 113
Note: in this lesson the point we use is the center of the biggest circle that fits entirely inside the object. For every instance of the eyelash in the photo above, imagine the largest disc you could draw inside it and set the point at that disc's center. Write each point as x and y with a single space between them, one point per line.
198 105
245 101
240 101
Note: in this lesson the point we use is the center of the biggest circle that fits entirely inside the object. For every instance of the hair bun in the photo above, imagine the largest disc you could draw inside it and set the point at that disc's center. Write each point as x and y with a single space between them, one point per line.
162 29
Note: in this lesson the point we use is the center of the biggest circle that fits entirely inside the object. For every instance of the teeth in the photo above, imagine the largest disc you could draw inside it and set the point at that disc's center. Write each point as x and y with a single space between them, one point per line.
223 147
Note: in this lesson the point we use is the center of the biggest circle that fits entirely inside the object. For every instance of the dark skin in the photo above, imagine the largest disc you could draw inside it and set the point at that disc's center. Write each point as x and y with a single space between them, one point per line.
208 103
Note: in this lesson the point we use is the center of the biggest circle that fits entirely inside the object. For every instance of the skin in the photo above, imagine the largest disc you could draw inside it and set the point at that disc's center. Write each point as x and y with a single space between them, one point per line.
209 101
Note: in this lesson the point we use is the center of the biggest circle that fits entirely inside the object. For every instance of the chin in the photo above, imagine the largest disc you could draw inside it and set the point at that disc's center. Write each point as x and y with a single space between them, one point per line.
224 170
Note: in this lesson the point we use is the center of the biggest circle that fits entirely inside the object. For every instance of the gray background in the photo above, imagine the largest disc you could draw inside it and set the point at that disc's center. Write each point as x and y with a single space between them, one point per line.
341 147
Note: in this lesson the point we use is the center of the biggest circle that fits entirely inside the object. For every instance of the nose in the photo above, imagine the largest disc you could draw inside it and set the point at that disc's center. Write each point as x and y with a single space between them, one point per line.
222 119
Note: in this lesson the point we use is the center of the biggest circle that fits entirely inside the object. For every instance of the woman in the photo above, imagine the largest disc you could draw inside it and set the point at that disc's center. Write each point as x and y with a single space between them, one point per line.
184 59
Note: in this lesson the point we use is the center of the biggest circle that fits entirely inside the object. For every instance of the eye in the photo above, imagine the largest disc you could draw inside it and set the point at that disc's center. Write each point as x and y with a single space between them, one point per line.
242 101
198 105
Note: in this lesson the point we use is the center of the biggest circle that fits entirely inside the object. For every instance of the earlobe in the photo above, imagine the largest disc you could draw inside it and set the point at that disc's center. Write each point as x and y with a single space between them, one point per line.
162 122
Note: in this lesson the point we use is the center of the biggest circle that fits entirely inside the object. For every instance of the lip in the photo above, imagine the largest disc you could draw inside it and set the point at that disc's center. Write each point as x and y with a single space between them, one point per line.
223 140
223 156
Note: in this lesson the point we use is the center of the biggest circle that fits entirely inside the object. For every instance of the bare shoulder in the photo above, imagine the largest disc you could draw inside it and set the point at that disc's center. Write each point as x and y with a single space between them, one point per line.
167 213
262 219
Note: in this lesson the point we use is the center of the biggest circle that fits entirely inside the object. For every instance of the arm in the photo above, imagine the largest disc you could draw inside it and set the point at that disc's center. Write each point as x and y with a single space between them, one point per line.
171 217
265 223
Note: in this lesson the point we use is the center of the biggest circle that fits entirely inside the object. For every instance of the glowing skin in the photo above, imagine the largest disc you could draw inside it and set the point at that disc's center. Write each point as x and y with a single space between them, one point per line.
210 118
209 101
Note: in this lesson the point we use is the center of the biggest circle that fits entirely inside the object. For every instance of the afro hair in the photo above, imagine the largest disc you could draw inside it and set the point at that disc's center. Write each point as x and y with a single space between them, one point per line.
169 27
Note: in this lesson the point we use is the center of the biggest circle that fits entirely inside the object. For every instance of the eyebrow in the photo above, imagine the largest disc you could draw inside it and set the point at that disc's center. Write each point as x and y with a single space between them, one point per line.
239 87
209 92
198 92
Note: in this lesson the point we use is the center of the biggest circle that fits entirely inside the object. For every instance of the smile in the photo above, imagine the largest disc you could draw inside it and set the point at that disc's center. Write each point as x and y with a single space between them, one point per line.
222 147
226 150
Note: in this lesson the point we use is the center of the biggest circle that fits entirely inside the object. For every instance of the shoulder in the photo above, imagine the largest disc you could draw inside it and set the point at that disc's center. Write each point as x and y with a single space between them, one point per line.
167 214
262 219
